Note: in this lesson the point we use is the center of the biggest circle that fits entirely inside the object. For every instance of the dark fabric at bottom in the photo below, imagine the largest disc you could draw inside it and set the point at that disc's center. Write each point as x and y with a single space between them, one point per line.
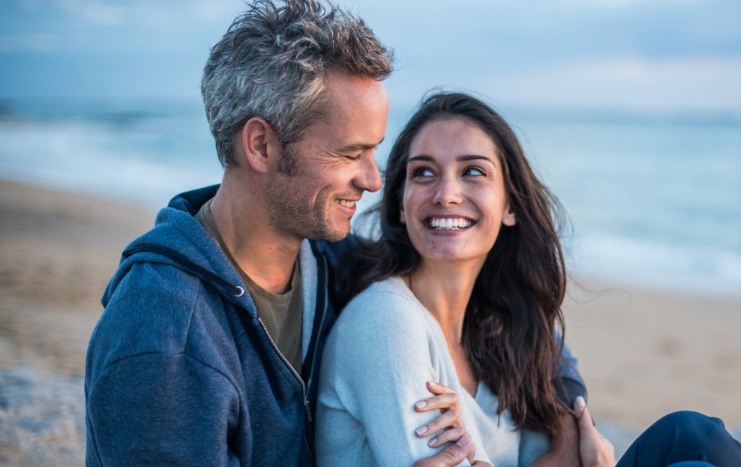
684 439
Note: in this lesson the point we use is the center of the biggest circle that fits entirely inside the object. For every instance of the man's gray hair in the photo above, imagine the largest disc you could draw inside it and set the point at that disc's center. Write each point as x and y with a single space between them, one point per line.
273 62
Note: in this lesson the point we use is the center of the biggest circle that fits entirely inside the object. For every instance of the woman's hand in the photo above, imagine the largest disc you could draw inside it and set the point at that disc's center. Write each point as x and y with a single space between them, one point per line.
448 425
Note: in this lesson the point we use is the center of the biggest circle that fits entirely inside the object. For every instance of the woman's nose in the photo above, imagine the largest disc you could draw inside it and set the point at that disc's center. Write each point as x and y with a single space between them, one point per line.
448 192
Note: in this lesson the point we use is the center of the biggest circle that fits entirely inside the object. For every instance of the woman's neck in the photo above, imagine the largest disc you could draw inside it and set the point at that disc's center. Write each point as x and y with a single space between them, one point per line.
445 290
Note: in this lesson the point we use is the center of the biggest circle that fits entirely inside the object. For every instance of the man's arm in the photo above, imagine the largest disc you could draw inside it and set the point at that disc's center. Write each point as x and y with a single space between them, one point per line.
163 409
564 449
572 383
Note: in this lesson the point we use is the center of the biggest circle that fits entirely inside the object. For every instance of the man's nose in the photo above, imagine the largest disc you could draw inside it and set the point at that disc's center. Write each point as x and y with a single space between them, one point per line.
370 178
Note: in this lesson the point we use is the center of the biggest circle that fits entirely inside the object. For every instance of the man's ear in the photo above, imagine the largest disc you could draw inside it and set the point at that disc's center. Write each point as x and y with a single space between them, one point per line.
509 217
258 145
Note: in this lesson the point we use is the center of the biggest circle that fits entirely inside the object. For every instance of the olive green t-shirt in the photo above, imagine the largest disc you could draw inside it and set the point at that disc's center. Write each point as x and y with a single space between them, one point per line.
281 314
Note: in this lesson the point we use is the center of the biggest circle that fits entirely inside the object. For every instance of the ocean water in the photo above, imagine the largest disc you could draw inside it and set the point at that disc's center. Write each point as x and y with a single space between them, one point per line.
653 201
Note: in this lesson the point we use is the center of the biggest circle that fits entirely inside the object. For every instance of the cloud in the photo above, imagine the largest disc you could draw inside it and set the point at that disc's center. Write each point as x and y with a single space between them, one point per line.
650 54
710 84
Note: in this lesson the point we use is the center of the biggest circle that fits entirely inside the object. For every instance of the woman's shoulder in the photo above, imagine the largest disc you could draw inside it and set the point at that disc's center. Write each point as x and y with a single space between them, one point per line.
389 299
383 324
387 306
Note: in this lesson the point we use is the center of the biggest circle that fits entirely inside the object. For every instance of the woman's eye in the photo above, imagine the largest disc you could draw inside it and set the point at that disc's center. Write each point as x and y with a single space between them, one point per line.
474 171
422 172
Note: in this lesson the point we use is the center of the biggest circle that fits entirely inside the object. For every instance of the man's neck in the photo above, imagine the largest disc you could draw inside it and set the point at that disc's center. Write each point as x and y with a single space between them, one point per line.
267 258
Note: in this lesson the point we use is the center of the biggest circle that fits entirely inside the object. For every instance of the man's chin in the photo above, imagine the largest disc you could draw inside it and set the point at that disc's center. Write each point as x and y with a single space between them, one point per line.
334 233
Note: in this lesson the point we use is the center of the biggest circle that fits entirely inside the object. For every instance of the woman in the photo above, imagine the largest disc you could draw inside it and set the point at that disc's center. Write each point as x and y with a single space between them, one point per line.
467 281
464 287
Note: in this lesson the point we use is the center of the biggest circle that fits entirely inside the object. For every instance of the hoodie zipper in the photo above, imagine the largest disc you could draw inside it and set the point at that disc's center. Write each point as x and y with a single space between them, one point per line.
318 334
304 392
305 386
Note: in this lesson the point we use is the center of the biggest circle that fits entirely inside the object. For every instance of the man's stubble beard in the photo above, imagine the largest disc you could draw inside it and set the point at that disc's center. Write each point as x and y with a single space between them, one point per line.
288 208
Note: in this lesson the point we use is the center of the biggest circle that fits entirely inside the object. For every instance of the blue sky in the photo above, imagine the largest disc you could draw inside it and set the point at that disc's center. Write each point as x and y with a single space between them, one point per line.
658 56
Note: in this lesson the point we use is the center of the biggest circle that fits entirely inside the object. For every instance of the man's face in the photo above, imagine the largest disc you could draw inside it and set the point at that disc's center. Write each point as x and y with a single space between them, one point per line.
314 195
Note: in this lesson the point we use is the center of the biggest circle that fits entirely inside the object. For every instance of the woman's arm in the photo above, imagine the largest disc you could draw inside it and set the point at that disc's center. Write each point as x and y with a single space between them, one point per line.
377 360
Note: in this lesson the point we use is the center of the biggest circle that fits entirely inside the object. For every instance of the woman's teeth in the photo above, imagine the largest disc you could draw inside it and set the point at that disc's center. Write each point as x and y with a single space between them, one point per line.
449 224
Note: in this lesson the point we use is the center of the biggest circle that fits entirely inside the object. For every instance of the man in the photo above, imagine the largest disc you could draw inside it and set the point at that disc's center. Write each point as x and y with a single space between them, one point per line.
209 347
188 367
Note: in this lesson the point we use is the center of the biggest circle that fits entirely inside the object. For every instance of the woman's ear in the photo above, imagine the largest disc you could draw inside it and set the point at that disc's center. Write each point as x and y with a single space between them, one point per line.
509 217
401 216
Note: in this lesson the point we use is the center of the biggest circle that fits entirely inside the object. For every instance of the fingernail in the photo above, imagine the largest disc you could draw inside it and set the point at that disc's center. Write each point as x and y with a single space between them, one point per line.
432 383
579 404
420 404
432 443
463 441
421 430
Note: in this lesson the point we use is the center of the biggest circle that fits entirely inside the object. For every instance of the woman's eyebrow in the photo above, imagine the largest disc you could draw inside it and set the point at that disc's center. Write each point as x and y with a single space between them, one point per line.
473 157
462 158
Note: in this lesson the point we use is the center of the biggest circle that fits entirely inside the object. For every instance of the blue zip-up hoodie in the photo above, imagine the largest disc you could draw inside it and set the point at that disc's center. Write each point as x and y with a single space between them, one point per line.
181 371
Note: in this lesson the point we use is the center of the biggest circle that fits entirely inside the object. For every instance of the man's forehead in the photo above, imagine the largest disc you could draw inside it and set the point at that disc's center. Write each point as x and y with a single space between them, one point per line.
344 89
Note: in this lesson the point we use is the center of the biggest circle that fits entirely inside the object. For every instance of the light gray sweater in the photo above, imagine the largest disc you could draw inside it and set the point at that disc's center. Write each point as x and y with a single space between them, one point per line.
383 348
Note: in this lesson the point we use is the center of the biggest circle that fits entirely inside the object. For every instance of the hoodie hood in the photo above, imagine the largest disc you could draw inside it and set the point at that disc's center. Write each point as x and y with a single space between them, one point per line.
180 241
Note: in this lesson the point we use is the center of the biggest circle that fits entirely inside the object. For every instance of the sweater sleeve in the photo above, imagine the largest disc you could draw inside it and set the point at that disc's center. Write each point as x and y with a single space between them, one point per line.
376 363
159 408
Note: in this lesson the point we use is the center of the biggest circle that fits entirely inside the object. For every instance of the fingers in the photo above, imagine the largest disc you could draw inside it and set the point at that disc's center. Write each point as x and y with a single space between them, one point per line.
448 425
437 388
441 402
444 399
584 419
445 420
455 453
594 449
447 436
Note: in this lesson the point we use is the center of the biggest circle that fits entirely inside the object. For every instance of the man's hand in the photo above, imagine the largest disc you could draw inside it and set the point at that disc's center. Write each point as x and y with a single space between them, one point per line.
451 428
564 451
595 450
452 455
448 424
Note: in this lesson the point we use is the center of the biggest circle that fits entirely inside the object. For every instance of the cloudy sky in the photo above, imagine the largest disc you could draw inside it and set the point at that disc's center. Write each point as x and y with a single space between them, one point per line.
658 56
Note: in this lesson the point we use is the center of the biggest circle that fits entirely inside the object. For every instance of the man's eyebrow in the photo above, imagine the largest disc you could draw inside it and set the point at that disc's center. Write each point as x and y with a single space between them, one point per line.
359 147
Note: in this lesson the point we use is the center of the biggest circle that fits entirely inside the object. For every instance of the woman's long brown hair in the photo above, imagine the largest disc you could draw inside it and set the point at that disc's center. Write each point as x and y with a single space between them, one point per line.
513 320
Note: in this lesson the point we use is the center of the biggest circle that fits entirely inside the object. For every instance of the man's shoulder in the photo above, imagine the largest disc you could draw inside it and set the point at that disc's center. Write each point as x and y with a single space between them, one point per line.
334 251
154 307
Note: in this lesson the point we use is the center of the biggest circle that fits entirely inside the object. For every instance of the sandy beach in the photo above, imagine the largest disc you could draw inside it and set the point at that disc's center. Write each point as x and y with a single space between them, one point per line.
642 353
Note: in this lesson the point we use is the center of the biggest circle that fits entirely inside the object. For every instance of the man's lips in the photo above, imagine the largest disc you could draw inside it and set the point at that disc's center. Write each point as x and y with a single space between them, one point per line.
348 203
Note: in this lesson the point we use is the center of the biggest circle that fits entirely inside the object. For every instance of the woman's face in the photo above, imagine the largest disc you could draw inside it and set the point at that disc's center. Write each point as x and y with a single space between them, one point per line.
454 199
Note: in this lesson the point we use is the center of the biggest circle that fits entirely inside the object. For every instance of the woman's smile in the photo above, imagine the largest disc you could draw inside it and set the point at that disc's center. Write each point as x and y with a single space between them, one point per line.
454 200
